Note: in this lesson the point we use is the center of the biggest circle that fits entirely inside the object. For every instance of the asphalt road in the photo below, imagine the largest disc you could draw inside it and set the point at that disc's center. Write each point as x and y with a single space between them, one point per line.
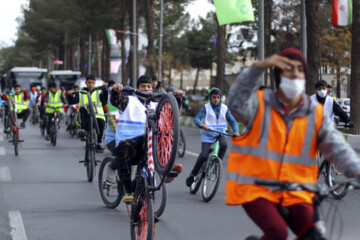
44 195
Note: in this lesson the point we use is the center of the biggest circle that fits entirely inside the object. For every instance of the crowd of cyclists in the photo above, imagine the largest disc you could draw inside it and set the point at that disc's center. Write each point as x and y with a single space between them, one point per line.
285 130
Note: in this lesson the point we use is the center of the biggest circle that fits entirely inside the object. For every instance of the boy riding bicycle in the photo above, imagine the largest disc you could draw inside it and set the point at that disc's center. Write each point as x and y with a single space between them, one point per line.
214 115
130 133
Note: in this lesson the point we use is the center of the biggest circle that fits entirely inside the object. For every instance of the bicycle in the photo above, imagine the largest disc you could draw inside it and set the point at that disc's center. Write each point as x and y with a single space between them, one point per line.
333 176
182 140
35 115
14 129
111 194
55 125
91 137
317 230
73 127
161 142
210 172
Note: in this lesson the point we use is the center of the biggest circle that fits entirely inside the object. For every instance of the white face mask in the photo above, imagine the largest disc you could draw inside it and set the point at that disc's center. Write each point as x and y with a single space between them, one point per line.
322 93
292 88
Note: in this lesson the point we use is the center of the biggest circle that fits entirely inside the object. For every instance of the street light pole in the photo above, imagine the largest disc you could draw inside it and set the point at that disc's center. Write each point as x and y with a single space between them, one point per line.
261 35
90 46
133 73
303 42
160 39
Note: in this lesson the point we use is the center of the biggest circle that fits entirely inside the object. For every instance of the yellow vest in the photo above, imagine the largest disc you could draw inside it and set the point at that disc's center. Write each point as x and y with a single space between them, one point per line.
20 103
95 99
54 100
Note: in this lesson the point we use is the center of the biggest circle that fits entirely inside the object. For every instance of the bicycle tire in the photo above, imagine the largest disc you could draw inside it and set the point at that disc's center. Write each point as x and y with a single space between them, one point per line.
54 133
111 195
182 144
212 175
16 143
198 179
42 127
142 215
333 176
160 198
90 164
166 142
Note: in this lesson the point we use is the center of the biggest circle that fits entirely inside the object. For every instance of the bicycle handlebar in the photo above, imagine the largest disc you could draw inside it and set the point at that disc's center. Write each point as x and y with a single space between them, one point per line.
221 133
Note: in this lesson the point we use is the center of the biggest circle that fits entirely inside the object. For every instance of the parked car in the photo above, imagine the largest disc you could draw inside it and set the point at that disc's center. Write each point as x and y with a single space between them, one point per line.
345 106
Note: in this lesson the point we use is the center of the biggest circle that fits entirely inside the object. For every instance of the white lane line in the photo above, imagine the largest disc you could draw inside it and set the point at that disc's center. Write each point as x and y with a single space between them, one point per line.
192 153
17 226
5 174
2 151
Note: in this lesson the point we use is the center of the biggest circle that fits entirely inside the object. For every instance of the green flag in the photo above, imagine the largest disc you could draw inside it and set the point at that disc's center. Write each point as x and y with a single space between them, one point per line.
231 11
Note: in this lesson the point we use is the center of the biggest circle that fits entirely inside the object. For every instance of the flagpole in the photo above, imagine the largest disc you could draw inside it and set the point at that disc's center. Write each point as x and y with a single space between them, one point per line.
261 35
303 42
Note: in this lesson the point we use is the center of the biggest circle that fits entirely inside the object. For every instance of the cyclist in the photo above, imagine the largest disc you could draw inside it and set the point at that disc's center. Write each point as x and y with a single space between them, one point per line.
32 97
54 99
99 99
4 95
70 109
285 131
40 104
21 98
130 134
214 115
330 105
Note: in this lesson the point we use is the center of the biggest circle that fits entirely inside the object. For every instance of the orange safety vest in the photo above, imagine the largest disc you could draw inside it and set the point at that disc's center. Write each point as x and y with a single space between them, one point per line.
271 151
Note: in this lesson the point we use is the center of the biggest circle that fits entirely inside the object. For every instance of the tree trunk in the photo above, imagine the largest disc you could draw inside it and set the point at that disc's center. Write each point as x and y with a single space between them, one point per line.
196 79
106 53
338 83
355 69
181 79
221 51
149 15
267 33
313 44
83 56
98 57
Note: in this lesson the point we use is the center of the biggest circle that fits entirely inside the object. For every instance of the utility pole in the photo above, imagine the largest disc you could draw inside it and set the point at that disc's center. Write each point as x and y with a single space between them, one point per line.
90 44
303 42
133 73
65 51
160 38
261 35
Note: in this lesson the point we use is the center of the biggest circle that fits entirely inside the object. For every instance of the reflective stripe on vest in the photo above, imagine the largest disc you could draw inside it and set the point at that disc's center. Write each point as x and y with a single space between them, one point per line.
95 98
212 121
277 150
20 103
54 100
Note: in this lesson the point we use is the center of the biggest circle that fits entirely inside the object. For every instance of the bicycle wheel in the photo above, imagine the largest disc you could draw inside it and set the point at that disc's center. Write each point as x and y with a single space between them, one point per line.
110 194
16 143
160 197
333 177
53 133
90 160
198 179
211 179
182 144
167 140
142 215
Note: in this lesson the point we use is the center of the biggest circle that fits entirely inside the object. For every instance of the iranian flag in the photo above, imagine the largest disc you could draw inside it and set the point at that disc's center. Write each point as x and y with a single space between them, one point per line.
342 12
111 36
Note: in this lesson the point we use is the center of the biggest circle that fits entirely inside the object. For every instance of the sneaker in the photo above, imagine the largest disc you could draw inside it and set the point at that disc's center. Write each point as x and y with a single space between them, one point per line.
99 148
174 172
22 125
111 176
190 180
47 138
129 198
7 130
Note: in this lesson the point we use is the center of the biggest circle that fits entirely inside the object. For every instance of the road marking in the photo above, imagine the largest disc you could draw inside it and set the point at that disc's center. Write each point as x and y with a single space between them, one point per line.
2 151
192 153
17 226
5 174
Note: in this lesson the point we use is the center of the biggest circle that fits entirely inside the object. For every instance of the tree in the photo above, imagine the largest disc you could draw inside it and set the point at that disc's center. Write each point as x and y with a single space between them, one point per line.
313 44
355 69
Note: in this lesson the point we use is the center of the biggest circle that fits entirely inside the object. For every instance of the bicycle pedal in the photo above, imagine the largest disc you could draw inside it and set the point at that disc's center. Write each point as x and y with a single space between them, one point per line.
172 174
82 161
20 140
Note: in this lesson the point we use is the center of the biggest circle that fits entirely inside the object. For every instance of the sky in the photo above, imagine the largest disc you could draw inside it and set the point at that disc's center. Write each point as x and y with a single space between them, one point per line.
11 9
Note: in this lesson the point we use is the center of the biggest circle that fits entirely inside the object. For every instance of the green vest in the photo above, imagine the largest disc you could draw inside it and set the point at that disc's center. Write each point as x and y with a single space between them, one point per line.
54 100
20 103
95 99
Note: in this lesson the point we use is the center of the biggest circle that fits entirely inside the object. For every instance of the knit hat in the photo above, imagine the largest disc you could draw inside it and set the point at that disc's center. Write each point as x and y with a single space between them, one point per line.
291 53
